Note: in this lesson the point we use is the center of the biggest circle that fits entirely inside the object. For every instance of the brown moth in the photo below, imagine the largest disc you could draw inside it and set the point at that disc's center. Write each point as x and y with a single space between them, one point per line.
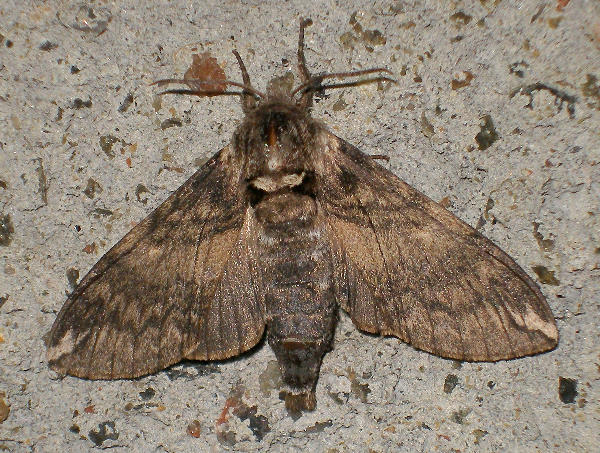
279 230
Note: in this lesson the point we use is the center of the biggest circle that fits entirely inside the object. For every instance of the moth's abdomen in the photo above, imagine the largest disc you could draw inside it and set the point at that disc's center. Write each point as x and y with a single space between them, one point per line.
300 303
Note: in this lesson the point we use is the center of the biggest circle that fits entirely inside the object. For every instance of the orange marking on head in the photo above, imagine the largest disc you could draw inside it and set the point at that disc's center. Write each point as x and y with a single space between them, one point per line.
272 139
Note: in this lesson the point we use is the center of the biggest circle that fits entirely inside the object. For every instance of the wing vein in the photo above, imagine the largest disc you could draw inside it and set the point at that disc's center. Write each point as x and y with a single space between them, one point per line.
475 311
201 284
506 334
385 264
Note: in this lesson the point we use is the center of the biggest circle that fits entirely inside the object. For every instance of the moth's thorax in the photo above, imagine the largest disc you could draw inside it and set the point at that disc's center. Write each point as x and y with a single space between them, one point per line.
276 142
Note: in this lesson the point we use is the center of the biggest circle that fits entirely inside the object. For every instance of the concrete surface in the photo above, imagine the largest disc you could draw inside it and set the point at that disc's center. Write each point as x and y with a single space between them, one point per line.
496 113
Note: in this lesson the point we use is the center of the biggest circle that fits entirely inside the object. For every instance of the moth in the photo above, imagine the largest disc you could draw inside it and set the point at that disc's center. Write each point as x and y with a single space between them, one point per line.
273 235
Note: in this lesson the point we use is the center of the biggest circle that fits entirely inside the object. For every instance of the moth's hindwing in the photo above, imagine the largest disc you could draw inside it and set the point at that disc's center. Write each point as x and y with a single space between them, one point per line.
181 284
407 267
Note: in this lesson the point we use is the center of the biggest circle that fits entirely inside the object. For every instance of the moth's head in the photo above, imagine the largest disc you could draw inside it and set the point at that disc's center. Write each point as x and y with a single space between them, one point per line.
276 137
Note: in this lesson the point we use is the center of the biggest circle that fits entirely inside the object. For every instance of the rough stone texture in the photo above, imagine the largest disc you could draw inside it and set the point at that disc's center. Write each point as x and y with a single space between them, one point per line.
496 113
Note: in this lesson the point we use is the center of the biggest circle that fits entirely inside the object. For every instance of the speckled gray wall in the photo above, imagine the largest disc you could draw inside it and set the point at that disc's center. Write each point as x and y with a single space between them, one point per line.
495 114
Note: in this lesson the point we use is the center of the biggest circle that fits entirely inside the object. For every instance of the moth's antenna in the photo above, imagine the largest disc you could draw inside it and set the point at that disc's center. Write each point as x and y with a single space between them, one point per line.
315 82
199 87
304 73
306 99
248 102
310 84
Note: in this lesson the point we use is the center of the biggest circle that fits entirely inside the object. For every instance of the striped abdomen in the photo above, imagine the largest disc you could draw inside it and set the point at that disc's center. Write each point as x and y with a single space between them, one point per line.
299 296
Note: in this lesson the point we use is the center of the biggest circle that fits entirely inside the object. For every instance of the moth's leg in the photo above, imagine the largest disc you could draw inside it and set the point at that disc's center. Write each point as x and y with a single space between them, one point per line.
248 100
380 157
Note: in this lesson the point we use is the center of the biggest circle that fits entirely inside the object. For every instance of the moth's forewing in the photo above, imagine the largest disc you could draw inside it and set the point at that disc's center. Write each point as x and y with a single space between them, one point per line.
180 284
409 268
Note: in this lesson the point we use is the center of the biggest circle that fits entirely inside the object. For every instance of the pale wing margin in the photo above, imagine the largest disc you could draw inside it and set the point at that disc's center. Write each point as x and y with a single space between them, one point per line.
181 284
409 268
